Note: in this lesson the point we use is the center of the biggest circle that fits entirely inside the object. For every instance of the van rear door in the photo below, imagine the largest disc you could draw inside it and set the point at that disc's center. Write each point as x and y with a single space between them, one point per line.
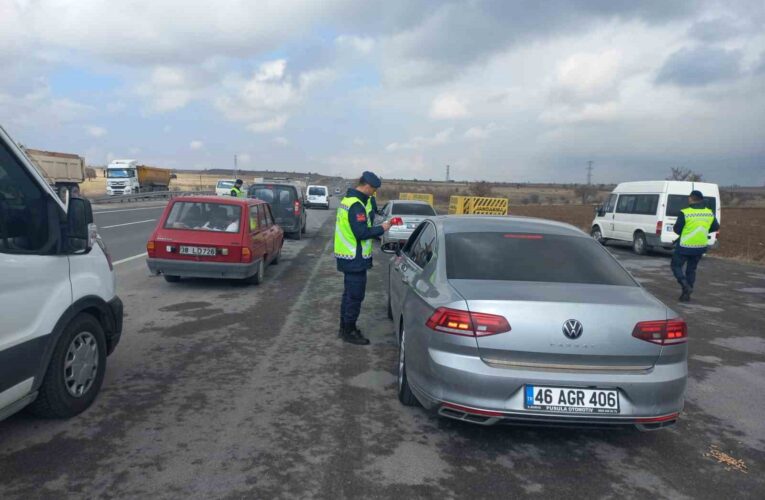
282 199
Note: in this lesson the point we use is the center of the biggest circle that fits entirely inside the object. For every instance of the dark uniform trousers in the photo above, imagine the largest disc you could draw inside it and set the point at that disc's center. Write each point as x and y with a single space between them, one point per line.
353 295
690 262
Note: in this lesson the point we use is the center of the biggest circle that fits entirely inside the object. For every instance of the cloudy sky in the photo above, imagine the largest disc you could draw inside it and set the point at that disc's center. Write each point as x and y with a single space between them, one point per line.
500 90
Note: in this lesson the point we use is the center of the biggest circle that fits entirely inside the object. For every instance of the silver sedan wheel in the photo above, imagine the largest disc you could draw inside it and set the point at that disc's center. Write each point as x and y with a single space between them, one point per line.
81 364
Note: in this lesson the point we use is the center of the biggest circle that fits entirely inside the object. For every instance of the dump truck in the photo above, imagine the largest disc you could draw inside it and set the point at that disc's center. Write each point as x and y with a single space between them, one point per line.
129 177
63 171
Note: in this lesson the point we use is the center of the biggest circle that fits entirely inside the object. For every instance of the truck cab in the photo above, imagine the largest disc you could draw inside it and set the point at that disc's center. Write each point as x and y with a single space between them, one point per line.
59 314
122 177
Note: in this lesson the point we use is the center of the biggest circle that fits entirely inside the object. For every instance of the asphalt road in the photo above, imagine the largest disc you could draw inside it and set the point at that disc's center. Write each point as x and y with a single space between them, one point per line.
223 390
126 227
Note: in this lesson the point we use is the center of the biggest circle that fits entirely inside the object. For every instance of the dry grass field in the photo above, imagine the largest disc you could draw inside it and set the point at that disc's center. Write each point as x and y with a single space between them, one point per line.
742 234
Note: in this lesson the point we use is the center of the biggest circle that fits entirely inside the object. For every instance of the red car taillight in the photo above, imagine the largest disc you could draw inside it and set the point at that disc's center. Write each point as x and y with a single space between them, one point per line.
468 324
673 331
297 207
151 248
659 227
246 254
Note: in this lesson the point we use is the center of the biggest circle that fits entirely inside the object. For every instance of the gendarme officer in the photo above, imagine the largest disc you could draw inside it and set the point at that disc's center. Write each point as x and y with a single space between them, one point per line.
236 191
354 233
694 224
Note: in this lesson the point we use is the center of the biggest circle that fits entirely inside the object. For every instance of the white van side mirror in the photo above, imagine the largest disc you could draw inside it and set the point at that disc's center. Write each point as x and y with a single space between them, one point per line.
79 218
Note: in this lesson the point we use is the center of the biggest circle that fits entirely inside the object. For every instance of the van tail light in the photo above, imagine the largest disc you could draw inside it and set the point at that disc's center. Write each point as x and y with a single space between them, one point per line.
246 254
673 331
468 324
151 248
659 227
297 207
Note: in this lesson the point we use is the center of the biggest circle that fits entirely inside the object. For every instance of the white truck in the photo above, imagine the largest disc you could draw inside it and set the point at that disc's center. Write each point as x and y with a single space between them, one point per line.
129 177
63 171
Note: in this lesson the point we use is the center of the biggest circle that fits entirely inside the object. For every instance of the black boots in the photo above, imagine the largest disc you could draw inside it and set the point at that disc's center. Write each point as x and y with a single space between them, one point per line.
353 335
687 290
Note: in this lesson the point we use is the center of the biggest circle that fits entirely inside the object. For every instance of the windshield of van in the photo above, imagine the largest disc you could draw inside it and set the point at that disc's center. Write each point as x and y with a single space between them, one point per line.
677 202
120 173
317 191
275 195
198 216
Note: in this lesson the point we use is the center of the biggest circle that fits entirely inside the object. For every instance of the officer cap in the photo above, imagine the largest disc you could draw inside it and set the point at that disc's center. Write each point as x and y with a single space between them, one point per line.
697 194
239 181
371 179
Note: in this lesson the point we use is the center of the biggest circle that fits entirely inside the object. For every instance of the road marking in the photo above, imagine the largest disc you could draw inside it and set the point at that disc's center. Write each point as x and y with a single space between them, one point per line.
128 223
134 257
158 207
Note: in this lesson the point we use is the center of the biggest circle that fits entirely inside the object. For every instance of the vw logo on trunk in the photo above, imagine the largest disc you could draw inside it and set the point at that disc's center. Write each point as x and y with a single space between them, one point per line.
572 329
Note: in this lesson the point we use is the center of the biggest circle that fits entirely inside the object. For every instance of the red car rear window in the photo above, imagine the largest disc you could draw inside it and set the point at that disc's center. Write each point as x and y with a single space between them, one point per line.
204 216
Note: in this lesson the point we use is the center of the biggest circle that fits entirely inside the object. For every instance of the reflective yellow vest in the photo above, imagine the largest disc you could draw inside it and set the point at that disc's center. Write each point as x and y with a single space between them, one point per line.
239 193
696 229
345 240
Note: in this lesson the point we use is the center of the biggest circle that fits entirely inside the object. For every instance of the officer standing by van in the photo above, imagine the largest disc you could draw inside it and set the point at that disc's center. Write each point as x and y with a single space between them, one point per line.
236 191
354 233
693 225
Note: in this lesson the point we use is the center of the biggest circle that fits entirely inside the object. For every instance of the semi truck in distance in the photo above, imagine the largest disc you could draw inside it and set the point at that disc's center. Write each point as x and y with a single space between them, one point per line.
128 177
63 171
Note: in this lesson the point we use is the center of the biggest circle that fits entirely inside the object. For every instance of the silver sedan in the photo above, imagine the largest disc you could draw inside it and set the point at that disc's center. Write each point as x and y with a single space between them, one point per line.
518 320
412 212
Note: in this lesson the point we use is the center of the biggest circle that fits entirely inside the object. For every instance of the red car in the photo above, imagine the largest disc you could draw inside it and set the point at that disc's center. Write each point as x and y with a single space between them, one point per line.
215 237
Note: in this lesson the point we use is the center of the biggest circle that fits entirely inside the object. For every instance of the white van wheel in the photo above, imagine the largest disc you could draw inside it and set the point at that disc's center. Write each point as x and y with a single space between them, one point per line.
597 235
76 370
639 245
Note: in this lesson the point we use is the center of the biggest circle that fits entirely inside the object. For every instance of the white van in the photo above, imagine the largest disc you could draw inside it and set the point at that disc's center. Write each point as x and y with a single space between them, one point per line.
317 196
59 314
224 186
644 213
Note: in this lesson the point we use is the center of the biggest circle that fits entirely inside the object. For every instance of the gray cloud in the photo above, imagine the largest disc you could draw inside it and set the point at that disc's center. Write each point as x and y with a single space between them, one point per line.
715 30
462 33
701 65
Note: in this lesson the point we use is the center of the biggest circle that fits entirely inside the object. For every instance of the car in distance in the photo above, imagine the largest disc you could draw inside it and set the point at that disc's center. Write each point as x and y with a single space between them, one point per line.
337 190
287 205
318 196
644 213
412 213
214 237
526 321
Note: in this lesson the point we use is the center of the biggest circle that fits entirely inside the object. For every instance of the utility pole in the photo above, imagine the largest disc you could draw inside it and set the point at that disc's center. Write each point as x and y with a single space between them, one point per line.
447 173
589 173
235 167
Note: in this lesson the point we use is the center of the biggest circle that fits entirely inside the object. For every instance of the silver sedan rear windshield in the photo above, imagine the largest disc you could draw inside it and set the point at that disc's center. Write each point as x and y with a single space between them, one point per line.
412 209
531 257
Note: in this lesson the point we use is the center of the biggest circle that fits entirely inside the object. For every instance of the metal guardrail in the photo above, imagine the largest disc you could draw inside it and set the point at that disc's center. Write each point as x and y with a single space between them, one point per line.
148 196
